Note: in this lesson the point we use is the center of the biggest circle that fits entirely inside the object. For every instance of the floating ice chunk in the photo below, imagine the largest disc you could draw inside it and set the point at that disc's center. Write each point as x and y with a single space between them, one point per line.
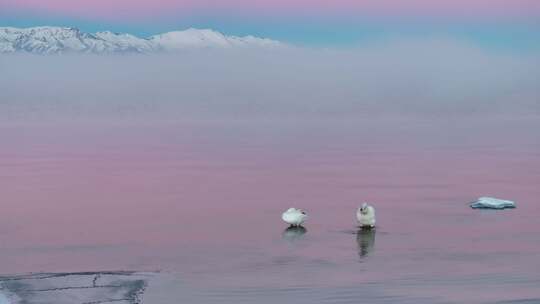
492 203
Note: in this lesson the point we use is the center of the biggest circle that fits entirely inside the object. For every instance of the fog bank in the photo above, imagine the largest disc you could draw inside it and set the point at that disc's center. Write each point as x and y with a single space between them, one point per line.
430 78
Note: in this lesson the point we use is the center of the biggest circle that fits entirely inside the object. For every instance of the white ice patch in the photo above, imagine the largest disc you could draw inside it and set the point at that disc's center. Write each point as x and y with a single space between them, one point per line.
492 203
4 299
123 287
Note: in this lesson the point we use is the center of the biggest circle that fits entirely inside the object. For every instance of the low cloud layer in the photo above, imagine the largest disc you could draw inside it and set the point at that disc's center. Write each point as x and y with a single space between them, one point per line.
421 78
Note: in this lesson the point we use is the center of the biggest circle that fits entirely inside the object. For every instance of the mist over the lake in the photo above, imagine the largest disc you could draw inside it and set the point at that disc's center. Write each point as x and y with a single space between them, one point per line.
424 77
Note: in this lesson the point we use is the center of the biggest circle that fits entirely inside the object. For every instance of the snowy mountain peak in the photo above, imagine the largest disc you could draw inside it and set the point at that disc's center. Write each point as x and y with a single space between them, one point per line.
57 40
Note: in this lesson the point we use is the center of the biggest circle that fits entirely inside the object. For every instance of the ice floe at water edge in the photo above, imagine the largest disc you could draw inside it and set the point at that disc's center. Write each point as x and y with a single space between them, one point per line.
492 203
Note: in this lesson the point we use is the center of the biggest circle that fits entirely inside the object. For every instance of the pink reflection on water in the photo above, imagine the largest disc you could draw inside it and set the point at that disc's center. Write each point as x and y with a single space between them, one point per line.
206 199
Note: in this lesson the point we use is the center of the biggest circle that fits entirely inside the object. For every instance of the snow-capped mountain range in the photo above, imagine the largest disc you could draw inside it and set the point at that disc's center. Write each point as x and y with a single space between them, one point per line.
58 40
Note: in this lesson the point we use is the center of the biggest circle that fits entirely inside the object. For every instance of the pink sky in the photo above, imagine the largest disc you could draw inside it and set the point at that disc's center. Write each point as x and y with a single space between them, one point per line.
458 8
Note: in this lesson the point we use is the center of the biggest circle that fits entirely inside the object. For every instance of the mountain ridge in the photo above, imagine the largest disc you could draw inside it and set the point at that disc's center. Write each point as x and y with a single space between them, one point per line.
60 40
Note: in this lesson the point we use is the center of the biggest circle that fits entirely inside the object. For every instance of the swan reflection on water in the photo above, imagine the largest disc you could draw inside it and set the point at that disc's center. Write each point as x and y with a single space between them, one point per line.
365 238
293 233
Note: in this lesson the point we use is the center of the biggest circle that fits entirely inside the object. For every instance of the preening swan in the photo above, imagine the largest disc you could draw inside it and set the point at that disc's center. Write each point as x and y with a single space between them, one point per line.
366 216
294 217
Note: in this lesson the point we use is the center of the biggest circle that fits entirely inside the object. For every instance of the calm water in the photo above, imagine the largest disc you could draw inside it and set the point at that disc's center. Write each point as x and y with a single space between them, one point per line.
202 203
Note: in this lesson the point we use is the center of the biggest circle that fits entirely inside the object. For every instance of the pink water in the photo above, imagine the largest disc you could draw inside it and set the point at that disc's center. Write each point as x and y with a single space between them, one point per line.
202 201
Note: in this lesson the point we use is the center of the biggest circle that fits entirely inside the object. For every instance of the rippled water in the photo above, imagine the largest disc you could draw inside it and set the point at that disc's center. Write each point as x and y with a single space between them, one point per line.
202 202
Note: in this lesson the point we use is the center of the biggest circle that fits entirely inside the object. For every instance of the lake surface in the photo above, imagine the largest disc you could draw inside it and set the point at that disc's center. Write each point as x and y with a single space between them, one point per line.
201 202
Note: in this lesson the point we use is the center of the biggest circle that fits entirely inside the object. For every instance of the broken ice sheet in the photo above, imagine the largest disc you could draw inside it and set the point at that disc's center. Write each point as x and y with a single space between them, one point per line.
122 287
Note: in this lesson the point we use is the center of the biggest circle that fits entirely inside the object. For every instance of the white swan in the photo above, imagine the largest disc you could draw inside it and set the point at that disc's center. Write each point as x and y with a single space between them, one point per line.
366 216
294 217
